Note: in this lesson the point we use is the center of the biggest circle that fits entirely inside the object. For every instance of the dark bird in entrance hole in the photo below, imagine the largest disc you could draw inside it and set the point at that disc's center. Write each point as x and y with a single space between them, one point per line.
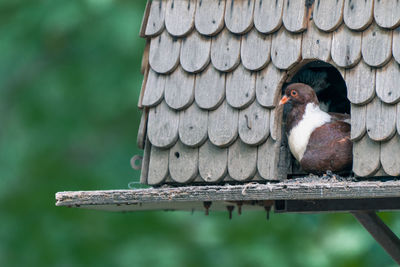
319 140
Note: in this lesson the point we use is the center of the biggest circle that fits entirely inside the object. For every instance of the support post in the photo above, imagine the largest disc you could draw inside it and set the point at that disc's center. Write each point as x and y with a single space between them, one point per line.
380 232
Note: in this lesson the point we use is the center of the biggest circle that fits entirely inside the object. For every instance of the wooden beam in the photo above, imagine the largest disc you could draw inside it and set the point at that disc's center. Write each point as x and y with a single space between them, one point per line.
183 197
380 232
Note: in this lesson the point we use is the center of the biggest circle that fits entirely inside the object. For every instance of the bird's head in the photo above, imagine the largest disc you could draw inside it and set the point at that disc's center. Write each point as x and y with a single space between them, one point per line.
299 94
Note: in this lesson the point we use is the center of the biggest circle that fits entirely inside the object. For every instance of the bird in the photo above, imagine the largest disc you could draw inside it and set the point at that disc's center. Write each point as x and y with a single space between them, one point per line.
319 140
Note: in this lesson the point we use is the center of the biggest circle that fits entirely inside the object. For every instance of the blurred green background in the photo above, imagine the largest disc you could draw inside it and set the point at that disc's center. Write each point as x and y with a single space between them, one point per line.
69 85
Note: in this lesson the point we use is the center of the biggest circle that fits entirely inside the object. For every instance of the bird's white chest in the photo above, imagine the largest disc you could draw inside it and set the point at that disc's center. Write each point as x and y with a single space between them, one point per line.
299 135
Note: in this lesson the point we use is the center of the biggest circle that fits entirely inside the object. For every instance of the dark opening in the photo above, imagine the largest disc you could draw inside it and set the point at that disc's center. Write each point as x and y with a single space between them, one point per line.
331 91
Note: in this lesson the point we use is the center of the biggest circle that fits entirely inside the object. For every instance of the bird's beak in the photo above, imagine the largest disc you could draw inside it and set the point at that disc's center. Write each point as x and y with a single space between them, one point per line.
284 100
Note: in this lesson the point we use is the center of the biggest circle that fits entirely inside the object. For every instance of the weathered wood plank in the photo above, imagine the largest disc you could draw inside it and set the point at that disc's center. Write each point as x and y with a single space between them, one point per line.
209 89
294 15
360 82
396 45
286 49
275 123
242 161
387 82
223 125
240 87
358 117
195 52
254 124
376 46
267 160
366 156
154 91
179 89
328 14
346 47
164 53
144 170
158 166
141 135
358 14
183 163
213 162
162 127
255 50
254 191
145 18
155 22
209 17
179 17
387 13
398 118
380 120
268 15
390 156
269 82
225 51
239 15
316 44
193 126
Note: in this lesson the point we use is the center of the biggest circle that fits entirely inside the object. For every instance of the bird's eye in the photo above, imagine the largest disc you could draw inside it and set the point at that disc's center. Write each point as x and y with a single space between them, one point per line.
293 93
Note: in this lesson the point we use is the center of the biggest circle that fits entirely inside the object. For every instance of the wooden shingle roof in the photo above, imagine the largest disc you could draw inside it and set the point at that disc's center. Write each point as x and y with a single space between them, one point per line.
214 70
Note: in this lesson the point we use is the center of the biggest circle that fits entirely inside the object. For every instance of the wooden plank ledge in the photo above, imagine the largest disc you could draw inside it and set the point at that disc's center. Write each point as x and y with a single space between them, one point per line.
193 197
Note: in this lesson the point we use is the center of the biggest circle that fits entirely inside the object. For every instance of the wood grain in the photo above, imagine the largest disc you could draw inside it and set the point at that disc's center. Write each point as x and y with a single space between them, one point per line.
316 44
390 156
223 125
269 82
387 82
387 13
358 14
209 17
376 46
242 161
183 163
286 49
213 162
158 166
179 89
179 17
254 124
267 160
188 196
346 47
142 130
358 117
162 128
144 170
366 157
396 45
193 126
163 45
209 88
255 50
360 82
239 15
154 91
276 123
268 15
225 51
328 14
155 21
380 120
240 87
294 15
195 52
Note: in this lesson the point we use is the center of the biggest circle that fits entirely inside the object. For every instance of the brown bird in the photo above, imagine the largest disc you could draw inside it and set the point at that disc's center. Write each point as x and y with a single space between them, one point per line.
320 141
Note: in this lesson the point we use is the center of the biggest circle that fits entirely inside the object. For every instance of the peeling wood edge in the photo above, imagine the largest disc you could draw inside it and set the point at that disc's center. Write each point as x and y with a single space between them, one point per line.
250 191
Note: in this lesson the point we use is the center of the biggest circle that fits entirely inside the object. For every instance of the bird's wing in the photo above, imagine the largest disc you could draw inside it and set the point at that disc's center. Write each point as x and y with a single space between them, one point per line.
340 117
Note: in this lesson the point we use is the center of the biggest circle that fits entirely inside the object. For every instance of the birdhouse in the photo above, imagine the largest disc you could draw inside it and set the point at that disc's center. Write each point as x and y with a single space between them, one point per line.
214 72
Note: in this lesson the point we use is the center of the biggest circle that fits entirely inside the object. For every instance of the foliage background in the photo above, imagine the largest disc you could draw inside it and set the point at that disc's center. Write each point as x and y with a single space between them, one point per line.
69 85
